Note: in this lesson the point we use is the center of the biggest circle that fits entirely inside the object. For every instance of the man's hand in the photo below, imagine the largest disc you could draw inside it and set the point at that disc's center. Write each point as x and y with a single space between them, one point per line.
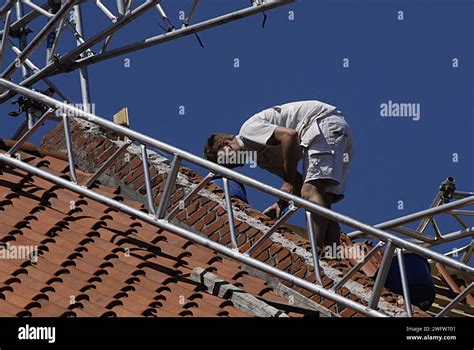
291 150
273 211
287 187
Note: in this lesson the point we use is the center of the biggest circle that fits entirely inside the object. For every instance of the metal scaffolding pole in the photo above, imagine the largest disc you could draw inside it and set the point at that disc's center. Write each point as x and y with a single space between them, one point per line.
83 73
6 7
456 300
69 57
80 56
31 16
415 216
22 38
5 34
230 174
179 33
22 44
28 49
67 62
121 7
194 237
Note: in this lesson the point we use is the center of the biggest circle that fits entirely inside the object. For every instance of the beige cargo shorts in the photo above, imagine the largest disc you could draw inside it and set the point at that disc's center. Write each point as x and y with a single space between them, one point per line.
330 153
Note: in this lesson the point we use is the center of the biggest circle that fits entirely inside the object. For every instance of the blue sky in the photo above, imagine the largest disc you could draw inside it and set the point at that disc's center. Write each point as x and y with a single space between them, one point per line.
407 61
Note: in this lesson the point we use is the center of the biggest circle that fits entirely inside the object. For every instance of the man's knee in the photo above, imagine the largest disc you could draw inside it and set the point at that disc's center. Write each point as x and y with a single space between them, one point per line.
308 191
315 188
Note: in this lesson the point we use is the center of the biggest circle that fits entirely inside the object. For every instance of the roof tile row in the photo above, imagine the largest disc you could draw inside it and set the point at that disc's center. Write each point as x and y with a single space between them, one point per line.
95 261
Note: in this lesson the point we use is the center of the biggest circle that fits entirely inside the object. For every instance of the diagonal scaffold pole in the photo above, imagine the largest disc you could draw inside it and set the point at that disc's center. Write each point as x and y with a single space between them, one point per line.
7 7
68 58
72 60
230 174
83 73
179 33
392 241
37 40
80 57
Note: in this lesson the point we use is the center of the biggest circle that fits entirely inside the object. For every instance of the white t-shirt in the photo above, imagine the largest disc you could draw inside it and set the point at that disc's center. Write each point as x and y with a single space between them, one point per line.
294 115
257 130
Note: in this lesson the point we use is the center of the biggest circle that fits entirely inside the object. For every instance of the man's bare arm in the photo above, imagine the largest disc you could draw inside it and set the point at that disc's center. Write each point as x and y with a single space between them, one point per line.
288 139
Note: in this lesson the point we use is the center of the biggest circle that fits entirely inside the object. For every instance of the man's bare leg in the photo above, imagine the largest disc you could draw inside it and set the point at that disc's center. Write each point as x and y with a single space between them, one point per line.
333 233
315 191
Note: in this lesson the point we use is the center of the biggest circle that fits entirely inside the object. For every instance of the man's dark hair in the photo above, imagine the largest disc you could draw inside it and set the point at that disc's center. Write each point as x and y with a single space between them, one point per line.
214 144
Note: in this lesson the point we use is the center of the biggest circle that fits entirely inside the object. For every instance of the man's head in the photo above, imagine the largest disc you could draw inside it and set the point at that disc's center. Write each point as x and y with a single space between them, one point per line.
223 150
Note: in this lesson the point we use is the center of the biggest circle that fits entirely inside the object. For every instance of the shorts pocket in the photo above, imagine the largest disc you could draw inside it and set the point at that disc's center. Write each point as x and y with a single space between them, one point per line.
319 164
334 131
320 153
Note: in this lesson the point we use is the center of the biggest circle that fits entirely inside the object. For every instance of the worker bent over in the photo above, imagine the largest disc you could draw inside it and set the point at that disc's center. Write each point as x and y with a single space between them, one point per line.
283 135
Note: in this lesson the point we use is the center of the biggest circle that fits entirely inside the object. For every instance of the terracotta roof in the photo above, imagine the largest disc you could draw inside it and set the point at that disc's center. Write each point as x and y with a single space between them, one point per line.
206 214
38 208
448 285
95 261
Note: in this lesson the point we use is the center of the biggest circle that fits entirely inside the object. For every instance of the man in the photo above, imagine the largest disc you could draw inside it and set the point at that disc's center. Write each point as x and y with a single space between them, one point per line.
283 135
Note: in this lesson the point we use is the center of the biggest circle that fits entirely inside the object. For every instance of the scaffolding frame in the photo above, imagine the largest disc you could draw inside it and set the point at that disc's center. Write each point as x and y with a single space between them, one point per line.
161 216
441 205
394 244
82 55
